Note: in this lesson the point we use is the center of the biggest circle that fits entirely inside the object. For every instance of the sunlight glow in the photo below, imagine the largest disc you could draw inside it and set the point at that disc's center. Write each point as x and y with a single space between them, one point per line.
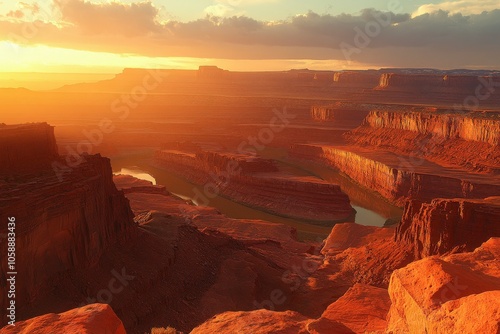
41 58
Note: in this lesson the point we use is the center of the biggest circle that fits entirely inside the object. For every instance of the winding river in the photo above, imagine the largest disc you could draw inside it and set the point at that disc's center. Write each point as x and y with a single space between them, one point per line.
370 208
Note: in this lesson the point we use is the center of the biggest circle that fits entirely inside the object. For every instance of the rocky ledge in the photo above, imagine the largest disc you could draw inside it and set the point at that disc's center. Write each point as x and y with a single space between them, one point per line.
258 183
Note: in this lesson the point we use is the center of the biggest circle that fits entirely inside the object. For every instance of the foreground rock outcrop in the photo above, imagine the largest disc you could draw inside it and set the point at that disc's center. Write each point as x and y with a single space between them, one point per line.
452 294
459 293
90 319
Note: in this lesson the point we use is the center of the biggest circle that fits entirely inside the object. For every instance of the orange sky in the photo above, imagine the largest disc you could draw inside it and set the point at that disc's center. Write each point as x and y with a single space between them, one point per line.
106 36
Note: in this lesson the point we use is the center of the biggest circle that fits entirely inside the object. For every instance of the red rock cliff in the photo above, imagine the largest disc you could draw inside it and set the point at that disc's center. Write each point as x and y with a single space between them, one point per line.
257 183
444 226
472 127
396 178
469 141
342 116
60 225
26 147
352 78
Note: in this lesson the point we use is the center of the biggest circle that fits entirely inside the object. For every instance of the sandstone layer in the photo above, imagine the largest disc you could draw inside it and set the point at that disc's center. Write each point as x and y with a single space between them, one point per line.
396 178
357 78
453 294
26 148
256 182
341 116
90 319
60 224
464 140
448 225
432 82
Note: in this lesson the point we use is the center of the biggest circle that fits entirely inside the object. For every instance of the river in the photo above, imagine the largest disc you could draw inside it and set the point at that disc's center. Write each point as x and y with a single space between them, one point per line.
370 209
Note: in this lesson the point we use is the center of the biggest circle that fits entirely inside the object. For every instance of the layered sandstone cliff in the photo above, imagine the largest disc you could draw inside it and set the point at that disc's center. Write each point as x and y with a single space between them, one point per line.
356 78
26 147
257 183
467 141
426 82
408 82
395 177
60 224
470 126
443 226
341 116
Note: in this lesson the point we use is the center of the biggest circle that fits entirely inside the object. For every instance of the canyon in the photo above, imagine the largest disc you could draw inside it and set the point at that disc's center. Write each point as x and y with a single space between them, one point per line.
256 182
99 251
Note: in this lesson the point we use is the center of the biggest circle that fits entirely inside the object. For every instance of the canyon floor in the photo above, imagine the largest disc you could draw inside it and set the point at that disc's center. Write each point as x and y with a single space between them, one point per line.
351 202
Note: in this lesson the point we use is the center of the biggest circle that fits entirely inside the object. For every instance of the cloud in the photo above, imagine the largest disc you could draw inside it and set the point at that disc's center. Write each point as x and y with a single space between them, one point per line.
404 41
111 18
236 3
219 10
464 7
33 8
17 14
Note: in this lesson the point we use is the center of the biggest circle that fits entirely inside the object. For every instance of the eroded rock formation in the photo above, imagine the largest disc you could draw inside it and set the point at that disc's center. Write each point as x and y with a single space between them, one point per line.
89 319
356 78
464 140
60 224
26 148
256 182
453 294
397 178
444 225
340 115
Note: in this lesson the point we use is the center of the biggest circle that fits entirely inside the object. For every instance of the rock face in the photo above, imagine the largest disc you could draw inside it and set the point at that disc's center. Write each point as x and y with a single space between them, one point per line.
395 177
26 148
362 309
90 319
256 182
466 141
470 127
341 116
60 225
258 322
410 82
448 225
352 78
421 83
454 294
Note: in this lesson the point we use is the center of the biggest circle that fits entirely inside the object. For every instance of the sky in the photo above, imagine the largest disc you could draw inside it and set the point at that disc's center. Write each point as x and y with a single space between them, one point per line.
106 36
